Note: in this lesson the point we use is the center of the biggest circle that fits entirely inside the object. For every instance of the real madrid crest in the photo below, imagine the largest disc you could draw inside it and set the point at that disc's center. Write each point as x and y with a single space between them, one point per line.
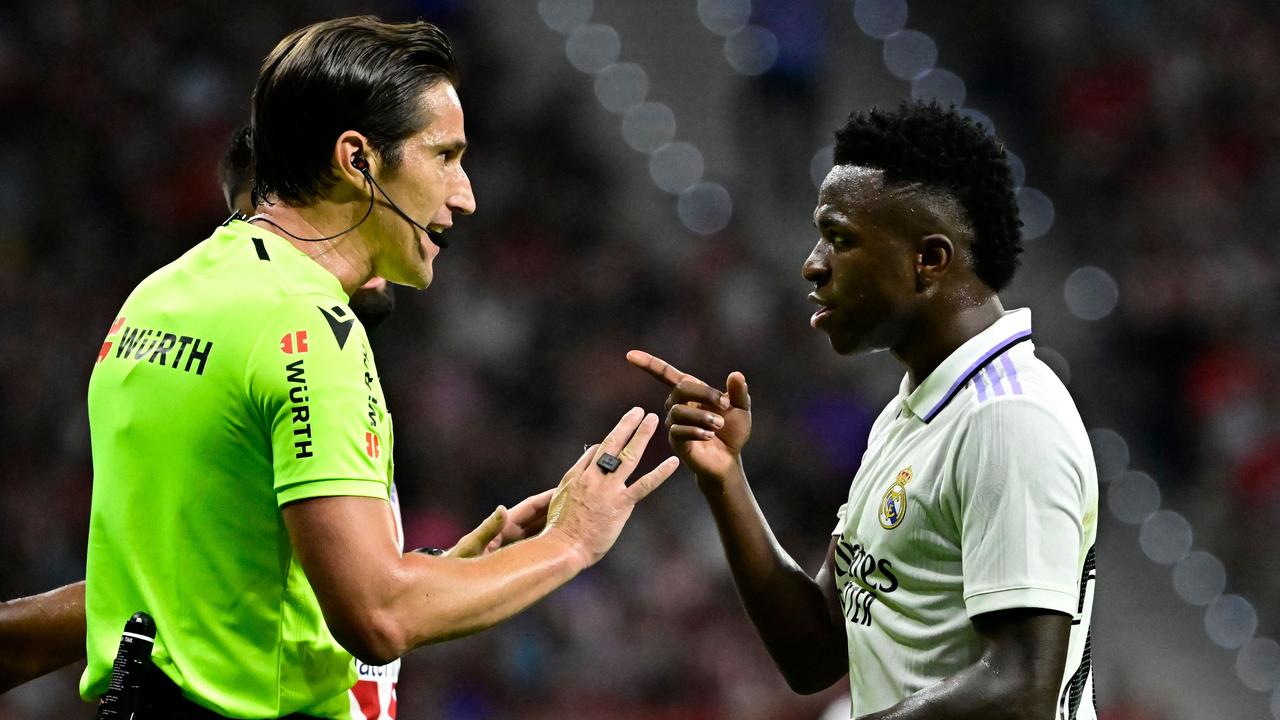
893 506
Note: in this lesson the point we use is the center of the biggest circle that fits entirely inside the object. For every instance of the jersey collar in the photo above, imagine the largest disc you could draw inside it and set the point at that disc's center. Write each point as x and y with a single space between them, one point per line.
281 250
927 400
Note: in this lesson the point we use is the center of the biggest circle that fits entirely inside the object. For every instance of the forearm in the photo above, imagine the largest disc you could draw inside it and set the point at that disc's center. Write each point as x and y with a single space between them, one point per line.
1017 677
431 599
784 603
979 692
41 633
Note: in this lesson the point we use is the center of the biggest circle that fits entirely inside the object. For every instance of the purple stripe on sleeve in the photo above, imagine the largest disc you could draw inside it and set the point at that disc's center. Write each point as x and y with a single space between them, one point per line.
1011 374
994 377
981 387
977 364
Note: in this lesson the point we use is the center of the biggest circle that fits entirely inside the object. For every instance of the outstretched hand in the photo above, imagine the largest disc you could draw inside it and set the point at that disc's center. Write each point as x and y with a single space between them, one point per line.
707 428
590 506
505 526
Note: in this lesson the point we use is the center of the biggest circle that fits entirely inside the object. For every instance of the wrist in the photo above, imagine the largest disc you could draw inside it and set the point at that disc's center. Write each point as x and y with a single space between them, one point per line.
568 548
717 483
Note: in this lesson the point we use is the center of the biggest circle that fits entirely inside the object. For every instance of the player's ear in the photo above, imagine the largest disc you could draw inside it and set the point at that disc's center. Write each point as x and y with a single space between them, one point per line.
935 253
350 149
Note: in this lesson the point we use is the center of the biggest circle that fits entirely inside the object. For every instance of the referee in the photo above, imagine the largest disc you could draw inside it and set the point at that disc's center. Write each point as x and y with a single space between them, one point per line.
958 583
241 442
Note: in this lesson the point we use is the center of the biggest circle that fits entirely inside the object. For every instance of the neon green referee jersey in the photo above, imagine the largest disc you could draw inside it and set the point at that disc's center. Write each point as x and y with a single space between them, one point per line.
234 380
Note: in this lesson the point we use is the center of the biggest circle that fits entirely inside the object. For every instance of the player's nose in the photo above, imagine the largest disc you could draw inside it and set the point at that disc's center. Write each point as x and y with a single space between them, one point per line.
815 268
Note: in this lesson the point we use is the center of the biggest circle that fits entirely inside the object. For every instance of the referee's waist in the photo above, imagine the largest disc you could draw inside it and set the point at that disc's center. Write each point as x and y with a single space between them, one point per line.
164 701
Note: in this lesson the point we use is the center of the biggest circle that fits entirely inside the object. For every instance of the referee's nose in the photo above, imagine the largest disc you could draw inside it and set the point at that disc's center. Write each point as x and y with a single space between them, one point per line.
463 199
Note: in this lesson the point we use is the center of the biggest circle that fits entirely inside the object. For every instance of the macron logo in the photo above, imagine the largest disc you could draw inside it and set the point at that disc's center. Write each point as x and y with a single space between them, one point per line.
340 322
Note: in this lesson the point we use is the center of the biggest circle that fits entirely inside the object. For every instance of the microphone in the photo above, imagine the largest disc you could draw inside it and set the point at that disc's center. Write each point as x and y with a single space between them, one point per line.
358 162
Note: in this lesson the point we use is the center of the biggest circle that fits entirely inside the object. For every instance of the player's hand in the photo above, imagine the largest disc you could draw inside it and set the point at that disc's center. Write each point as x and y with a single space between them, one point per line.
707 428
590 506
505 526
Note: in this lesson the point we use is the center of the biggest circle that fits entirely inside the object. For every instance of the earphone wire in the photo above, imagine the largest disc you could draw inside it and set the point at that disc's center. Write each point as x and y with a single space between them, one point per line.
372 199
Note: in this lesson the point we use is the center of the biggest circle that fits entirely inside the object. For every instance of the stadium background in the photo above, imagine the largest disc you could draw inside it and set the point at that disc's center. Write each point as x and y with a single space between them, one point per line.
644 173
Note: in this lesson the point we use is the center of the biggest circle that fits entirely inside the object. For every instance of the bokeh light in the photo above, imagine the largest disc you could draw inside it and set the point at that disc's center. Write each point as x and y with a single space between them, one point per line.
564 15
1165 537
648 126
1258 664
1019 173
1110 453
592 48
1199 578
1091 293
751 50
880 18
675 166
907 53
1036 210
942 86
1133 497
723 17
621 87
1230 621
705 208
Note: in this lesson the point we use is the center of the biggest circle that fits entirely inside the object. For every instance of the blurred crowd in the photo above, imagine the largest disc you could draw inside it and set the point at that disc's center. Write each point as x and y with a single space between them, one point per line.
1153 126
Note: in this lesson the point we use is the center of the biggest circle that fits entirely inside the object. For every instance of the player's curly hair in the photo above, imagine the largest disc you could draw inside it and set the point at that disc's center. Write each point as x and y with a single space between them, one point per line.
945 151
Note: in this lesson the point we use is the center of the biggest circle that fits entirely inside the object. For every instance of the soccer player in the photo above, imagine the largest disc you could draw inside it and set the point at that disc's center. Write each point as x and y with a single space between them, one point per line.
958 581
241 442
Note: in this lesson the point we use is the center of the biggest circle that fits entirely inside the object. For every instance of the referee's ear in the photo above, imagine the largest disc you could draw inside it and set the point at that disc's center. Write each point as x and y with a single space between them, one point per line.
933 259
346 149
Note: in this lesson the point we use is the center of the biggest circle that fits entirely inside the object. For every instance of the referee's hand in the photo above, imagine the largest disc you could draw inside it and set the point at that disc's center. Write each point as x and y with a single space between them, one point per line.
505 526
591 505
707 428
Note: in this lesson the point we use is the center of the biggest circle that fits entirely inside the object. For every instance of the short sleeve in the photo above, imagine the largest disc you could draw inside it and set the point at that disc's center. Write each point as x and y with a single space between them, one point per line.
308 376
839 529
1020 486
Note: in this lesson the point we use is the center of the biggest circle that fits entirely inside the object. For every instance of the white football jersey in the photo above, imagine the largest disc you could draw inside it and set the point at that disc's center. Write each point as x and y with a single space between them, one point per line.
977 493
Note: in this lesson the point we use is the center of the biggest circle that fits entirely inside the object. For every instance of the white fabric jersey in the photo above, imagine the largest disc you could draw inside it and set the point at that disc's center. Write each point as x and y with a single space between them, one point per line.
373 697
977 493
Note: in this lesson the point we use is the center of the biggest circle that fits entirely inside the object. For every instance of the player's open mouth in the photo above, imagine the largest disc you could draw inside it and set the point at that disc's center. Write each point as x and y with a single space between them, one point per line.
823 311
818 316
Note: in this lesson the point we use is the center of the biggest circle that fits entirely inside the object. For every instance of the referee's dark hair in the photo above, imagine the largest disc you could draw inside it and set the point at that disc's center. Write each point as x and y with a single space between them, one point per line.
235 169
354 73
941 150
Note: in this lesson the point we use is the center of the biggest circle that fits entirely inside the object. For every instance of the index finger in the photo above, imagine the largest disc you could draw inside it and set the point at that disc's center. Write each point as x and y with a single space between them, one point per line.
660 369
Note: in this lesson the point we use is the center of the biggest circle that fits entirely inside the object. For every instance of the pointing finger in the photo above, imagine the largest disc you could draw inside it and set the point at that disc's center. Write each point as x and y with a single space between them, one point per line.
660 369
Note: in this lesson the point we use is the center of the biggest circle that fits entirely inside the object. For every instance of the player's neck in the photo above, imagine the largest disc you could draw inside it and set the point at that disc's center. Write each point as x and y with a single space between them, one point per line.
347 256
939 331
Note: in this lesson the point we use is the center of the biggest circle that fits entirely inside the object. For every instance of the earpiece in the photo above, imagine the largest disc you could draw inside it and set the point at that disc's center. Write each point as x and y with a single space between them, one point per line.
359 162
